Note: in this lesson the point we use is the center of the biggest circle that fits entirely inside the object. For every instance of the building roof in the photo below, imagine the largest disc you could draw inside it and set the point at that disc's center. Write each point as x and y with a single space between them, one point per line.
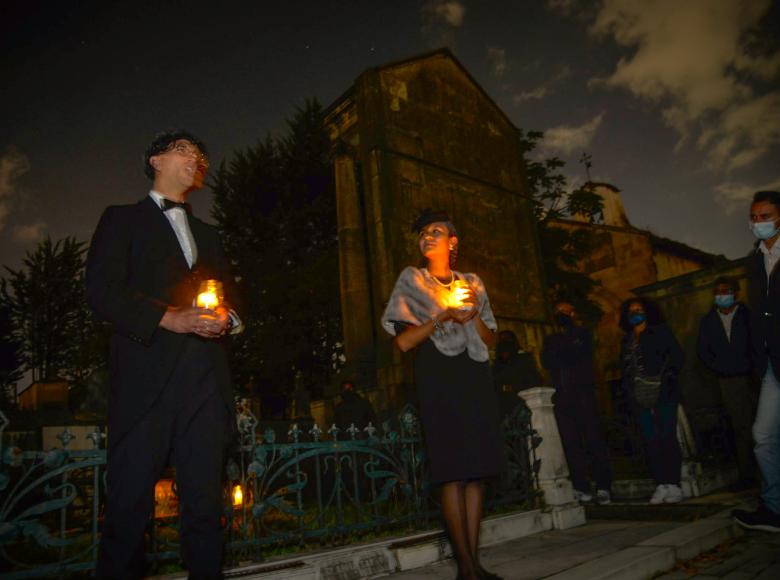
685 251
437 53
601 184
658 243
687 280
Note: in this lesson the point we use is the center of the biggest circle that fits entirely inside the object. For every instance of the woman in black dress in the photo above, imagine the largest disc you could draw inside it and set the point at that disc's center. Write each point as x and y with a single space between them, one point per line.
458 406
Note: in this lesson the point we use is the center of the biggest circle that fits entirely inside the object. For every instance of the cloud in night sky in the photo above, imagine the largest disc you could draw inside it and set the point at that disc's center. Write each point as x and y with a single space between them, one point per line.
543 90
699 60
744 134
448 11
565 139
497 58
440 21
29 234
735 197
530 95
13 165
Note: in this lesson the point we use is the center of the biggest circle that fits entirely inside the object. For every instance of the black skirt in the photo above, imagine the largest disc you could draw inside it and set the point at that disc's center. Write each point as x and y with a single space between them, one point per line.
459 413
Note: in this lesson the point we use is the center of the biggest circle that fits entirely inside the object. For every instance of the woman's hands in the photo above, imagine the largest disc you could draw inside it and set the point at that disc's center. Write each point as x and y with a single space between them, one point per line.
462 314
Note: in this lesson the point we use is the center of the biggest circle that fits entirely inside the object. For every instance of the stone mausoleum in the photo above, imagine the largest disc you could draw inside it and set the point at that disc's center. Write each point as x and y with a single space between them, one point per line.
422 133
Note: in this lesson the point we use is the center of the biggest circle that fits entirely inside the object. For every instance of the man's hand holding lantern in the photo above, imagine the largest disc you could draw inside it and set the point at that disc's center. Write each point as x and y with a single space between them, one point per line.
208 319
212 323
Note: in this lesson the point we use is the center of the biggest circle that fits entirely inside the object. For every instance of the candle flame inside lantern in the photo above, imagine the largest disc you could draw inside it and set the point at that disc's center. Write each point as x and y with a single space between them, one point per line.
209 294
458 294
207 299
238 496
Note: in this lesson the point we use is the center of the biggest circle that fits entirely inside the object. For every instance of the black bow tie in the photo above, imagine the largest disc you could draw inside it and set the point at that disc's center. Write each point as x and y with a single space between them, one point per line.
169 204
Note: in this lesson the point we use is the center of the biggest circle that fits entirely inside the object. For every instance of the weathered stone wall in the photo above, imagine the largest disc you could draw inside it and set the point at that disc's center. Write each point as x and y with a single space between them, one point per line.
670 266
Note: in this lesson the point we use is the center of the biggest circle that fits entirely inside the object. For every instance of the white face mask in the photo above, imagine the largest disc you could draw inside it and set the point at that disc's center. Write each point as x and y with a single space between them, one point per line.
763 230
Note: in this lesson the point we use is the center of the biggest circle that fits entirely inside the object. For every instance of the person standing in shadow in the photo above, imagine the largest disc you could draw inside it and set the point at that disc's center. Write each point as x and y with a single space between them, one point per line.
353 409
568 357
514 370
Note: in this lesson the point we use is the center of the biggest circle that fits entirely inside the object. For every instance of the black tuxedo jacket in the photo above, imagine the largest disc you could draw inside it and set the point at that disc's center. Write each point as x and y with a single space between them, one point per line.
135 270
765 314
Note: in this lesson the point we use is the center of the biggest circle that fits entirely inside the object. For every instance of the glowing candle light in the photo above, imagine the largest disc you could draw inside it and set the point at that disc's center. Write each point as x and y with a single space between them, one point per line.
458 294
210 294
238 496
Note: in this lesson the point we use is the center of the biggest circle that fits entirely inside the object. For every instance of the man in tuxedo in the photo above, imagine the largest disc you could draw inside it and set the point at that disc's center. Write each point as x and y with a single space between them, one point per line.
170 390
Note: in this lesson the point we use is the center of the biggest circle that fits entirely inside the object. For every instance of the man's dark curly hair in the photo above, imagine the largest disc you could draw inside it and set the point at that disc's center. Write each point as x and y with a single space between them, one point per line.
772 197
729 281
163 141
651 309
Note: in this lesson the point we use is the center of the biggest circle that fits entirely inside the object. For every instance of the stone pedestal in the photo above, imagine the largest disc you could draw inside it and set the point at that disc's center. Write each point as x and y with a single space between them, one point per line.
554 472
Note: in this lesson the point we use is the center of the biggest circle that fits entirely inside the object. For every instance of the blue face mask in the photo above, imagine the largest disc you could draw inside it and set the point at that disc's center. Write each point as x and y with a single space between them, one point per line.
724 300
763 230
637 318
564 320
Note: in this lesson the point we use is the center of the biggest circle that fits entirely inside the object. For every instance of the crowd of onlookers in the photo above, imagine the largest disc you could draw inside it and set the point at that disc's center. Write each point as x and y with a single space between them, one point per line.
739 345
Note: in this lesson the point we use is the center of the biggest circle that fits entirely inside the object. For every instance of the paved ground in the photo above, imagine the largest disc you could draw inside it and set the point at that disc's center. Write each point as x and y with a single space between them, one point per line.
756 555
615 528
548 553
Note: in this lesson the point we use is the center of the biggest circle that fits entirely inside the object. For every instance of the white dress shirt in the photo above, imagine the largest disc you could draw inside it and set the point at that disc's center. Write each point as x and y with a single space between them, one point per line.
181 226
771 256
177 217
727 320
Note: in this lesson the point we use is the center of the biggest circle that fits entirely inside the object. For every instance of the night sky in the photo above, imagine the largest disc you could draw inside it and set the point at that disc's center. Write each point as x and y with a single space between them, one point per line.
677 102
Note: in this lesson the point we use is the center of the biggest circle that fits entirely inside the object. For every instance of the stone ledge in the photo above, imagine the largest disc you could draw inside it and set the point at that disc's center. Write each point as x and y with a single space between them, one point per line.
659 553
692 539
394 554
696 481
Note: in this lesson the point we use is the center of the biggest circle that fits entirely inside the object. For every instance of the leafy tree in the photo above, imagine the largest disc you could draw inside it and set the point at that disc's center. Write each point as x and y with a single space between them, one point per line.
9 360
562 248
48 315
275 207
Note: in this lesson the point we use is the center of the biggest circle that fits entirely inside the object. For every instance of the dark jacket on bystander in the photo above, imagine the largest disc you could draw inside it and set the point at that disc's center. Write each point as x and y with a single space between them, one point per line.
727 357
661 354
568 357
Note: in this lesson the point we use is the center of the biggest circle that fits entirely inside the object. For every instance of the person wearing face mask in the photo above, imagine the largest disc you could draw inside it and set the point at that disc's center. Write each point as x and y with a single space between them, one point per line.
651 360
568 357
723 347
765 346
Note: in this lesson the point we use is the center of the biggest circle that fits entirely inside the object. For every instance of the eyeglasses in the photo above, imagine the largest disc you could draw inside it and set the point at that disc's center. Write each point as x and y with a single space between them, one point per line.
190 150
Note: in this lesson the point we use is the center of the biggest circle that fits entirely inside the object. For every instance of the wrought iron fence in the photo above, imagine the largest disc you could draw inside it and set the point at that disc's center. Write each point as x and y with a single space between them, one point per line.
314 489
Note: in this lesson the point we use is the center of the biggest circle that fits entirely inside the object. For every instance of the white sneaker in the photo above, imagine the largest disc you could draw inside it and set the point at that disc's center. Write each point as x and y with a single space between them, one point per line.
674 494
582 497
660 494
603 497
